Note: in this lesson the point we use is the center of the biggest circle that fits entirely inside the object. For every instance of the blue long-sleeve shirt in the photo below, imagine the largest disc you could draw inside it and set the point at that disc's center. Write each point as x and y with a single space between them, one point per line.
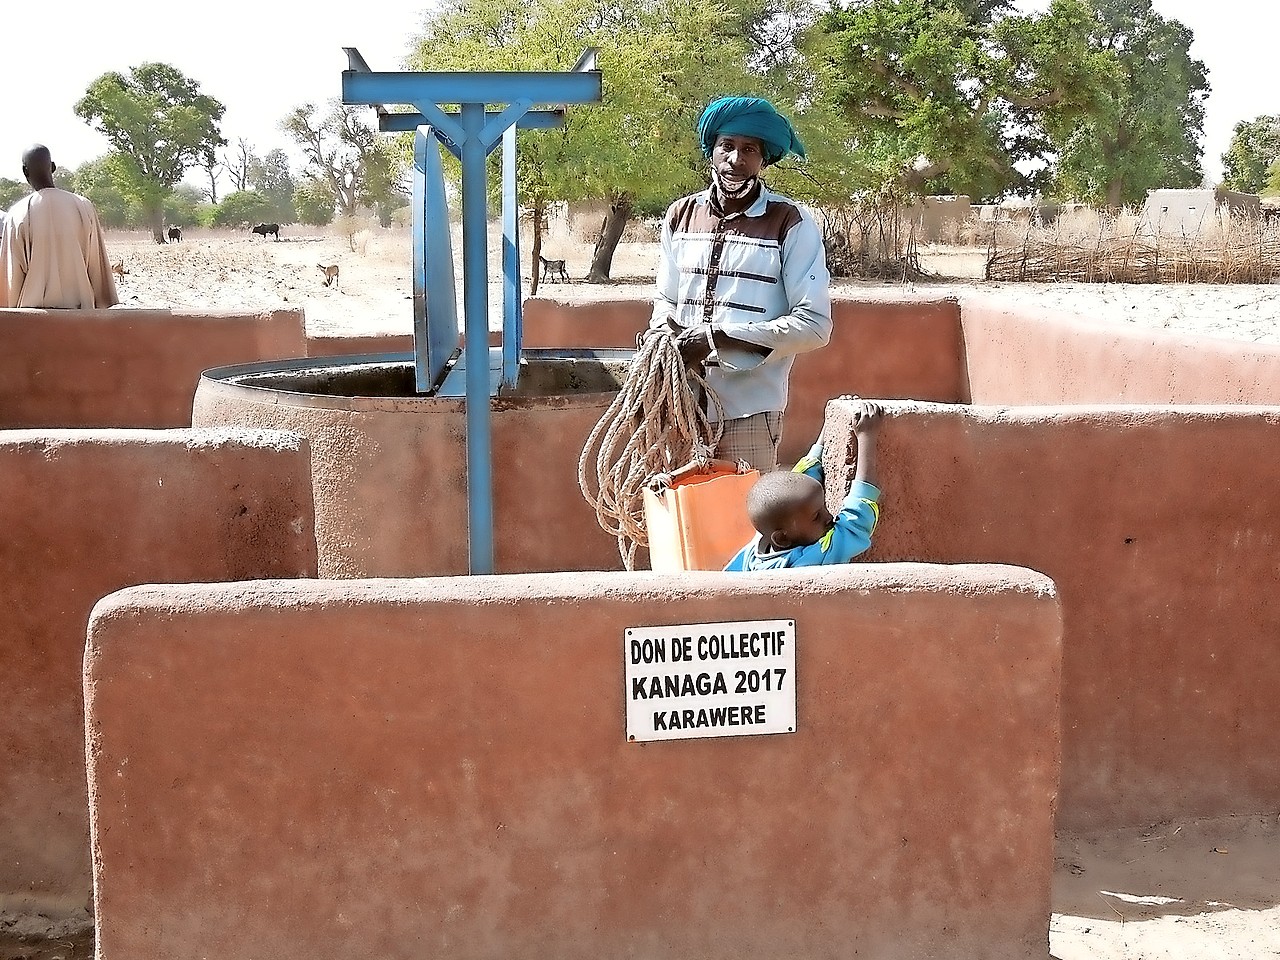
848 537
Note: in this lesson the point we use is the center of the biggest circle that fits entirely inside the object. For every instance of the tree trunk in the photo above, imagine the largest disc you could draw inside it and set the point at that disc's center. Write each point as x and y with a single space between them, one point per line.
535 248
615 221
155 220
1115 192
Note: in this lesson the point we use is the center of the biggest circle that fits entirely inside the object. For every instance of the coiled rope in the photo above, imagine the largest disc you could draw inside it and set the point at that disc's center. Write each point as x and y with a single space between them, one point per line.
655 425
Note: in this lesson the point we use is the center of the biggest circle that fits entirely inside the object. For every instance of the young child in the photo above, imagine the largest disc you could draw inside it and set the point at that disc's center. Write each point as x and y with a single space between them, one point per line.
789 509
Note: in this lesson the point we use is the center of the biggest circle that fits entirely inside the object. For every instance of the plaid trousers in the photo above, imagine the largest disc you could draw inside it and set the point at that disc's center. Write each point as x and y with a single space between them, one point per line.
753 439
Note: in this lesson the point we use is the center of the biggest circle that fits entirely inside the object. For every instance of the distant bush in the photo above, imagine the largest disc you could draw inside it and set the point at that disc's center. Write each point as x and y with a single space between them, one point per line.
242 209
315 203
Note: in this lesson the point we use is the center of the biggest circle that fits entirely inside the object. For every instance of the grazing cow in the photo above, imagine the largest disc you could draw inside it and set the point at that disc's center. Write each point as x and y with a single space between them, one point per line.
175 234
554 268
330 272
264 228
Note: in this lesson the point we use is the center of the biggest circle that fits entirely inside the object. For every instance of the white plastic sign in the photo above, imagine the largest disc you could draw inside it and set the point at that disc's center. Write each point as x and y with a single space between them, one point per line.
710 680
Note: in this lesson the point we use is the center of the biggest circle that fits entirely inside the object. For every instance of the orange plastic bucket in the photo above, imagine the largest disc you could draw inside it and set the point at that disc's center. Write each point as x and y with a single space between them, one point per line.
699 522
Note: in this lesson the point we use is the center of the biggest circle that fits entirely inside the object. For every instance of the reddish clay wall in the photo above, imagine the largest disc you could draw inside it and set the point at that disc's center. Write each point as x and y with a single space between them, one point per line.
440 768
892 348
126 368
335 345
85 513
1160 534
1015 357
391 484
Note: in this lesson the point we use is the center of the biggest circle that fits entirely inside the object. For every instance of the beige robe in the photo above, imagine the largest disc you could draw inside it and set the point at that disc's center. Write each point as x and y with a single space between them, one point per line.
52 254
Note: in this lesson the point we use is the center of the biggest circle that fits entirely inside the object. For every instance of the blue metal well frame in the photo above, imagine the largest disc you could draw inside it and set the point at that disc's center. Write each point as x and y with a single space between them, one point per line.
470 134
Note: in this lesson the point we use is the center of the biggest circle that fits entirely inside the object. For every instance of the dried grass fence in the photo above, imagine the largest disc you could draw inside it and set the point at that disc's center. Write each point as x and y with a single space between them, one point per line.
870 240
1120 249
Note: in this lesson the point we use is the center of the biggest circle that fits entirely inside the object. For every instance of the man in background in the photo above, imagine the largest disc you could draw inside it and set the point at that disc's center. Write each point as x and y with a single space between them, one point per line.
52 252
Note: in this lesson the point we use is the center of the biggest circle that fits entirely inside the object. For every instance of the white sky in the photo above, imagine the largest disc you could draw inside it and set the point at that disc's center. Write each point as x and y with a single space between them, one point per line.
261 59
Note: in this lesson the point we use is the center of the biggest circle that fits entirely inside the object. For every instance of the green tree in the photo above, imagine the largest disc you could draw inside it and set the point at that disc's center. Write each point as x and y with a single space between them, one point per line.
1145 131
272 178
945 96
182 207
11 191
97 180
662 60
314 202
242 208
1254 149
385 190
159 124
344 153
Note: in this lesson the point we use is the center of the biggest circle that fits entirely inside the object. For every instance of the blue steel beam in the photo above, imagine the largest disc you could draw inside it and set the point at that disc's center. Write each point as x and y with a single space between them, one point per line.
512 309
469 135
409 122
482 88
435 310
475 300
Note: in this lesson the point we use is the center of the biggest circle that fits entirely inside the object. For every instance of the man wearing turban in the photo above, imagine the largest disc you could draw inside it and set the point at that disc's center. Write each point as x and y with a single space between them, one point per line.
742 278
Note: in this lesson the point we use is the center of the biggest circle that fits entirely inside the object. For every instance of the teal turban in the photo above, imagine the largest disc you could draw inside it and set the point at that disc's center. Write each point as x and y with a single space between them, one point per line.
749 117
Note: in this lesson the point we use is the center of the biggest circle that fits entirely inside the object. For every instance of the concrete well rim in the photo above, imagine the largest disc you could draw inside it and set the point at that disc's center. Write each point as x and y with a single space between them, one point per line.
237 380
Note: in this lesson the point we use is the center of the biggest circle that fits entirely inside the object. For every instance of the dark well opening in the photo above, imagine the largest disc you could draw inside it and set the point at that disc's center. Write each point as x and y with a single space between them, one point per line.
539 377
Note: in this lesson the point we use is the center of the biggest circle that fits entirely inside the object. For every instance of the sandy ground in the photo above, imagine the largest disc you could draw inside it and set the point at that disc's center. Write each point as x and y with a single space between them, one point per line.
374 292
1193 890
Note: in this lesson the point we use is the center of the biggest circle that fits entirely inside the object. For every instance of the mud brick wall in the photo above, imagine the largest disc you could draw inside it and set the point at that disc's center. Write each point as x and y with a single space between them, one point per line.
441 768
123 367
1159 528
881 347
84 513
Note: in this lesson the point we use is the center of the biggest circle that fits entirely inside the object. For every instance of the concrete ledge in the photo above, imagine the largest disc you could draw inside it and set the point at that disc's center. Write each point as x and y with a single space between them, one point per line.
440 768
126 368
1014 357
1159 529
85 513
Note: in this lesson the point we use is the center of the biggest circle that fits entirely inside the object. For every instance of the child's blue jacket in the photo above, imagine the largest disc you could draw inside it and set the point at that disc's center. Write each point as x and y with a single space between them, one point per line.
850 536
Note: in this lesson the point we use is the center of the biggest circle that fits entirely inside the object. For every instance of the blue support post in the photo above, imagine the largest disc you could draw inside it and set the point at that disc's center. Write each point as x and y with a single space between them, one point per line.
469 134
512 308
475 301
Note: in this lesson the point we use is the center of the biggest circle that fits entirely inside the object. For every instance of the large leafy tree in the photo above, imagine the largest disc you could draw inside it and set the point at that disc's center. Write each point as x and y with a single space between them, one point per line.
1145 131
159 124
272 177
661 60
314 202
242 208
97 180
953 96
11 191
347 155
1254 148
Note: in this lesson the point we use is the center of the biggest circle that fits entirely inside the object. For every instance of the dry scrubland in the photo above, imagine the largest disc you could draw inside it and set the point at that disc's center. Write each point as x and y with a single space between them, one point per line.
223 269
1198 889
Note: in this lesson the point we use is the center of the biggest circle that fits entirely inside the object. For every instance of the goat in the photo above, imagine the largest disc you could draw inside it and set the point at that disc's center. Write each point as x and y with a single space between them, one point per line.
553 268
264 228
330 273
175 234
